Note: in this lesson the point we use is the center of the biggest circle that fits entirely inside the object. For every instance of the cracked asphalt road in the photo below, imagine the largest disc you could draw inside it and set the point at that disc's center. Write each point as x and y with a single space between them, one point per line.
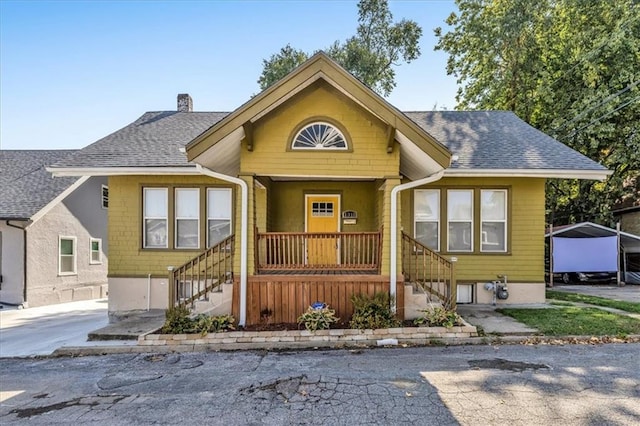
469 385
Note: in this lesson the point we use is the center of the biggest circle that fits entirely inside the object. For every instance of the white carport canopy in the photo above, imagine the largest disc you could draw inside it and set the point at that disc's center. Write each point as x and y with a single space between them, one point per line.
589 247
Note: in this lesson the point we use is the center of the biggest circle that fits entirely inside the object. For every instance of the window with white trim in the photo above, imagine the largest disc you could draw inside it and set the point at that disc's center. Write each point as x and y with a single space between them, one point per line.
319 135
426 214
155 221
460 220
95 251
493 220
104 196
187 211
218 215
66 255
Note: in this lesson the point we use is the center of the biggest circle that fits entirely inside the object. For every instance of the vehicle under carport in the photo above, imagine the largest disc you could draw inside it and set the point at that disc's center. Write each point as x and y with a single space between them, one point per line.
593 250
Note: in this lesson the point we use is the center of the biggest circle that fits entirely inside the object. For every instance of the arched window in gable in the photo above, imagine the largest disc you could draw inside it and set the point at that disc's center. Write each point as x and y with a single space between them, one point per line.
319 135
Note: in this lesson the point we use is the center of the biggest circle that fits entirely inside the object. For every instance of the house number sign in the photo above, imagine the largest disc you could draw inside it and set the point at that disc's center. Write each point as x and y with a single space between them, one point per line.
349 217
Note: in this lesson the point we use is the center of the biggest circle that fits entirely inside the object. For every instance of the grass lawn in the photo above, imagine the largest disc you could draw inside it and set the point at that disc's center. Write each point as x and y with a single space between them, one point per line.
594 300
575 321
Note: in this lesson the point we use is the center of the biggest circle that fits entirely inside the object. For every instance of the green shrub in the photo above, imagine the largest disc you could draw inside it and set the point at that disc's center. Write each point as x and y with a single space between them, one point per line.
439 317
179 321
372 312
318 319
221 323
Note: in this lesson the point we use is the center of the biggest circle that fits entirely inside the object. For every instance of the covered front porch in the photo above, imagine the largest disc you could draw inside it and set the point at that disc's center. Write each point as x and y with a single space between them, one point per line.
285 284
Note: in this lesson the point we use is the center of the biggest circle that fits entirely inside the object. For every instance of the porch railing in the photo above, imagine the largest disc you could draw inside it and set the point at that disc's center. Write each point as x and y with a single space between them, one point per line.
428 270
202 274
315 251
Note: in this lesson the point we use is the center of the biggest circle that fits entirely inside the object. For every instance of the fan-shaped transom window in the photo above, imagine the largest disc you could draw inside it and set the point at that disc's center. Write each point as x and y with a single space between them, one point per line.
319 135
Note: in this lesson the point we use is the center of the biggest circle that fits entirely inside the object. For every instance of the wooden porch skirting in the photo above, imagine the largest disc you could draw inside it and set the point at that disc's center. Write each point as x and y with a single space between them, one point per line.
283 298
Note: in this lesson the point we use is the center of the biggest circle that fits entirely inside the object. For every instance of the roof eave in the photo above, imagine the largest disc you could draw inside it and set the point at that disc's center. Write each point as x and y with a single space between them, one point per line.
122 171
533 173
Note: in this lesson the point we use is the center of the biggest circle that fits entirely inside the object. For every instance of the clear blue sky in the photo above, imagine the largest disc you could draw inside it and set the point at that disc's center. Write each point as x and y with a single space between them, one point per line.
72 72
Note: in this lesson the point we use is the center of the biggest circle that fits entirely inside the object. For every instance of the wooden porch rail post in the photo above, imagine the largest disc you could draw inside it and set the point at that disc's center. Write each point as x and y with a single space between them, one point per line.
172 287
256 250
454 285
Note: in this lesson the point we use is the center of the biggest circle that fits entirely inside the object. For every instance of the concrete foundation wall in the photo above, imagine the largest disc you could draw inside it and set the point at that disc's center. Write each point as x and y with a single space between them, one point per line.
11 263
519 293
130 294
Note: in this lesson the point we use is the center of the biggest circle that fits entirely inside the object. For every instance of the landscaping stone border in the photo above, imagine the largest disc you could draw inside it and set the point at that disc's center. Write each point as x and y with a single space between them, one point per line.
233 340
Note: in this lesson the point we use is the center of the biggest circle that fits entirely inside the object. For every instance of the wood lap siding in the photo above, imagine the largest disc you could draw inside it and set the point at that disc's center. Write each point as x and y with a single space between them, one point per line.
288 296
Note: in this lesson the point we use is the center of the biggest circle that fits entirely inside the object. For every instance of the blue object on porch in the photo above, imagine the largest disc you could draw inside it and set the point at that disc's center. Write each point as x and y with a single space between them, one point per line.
318 305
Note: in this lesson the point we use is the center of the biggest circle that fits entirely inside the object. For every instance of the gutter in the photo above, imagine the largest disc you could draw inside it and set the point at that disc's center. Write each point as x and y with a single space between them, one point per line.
243 235
394 226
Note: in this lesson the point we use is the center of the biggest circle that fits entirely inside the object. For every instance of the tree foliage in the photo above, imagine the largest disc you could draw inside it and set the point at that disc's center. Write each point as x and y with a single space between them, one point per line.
570 68
370 55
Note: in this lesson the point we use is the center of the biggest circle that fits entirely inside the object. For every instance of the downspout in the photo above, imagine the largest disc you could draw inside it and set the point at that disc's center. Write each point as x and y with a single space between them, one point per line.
244 216
394 226
24 262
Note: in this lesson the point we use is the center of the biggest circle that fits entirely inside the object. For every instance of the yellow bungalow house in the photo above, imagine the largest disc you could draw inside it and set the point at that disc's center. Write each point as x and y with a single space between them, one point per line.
316 189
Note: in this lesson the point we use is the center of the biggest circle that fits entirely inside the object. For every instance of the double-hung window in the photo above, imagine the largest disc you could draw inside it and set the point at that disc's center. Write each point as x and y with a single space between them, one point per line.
67 255
95 251
218 215
426 206
155 221
460 220
187 212
493 219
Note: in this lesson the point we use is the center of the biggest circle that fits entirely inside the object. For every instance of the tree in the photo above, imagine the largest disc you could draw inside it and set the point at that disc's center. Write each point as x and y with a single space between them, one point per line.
370 55
570 68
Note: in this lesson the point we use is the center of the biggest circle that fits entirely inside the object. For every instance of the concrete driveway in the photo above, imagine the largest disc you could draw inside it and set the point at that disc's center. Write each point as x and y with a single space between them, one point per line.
628 293
41 330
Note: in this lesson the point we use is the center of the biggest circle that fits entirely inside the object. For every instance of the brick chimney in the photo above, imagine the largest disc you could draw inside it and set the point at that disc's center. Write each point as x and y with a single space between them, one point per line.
185 103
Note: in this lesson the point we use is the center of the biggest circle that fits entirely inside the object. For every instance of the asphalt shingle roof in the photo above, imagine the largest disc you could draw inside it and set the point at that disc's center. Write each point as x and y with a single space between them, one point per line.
498 140
25 186
153 140
480 139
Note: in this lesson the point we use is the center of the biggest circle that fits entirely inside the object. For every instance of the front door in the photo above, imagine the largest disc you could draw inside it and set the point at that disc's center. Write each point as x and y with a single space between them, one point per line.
323 216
